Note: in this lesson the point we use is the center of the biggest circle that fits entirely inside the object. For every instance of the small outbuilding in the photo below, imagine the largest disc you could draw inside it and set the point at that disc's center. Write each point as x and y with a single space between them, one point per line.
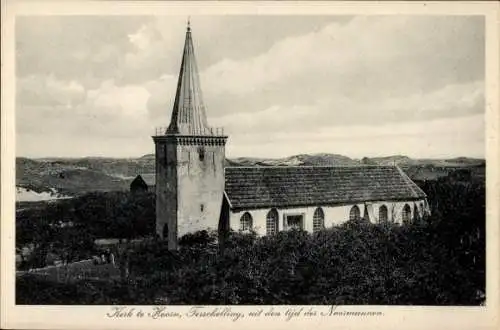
143 183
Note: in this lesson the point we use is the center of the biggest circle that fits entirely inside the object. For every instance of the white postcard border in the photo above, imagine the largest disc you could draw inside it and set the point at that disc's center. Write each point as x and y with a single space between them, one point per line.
408 317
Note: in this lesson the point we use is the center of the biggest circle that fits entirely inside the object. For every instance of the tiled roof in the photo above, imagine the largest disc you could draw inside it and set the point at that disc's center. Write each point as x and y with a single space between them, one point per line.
253 187
149 178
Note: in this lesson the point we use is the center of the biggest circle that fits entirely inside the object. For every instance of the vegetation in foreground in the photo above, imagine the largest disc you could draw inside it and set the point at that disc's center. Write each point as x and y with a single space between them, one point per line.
439 262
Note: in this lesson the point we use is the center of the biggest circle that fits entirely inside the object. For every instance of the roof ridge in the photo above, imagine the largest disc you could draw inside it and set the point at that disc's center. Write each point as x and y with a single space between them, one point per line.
311 166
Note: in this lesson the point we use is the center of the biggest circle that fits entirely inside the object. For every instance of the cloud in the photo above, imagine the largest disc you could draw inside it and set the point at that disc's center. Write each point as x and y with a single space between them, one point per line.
73 47
143 38
364 57
66 122
264 79
144 61
48 90
451 101
157 44
84 145
108 112
162 94
42 91
126 100
435 138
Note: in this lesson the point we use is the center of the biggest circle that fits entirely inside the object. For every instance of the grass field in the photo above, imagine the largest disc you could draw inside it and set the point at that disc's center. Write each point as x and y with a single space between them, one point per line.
85 269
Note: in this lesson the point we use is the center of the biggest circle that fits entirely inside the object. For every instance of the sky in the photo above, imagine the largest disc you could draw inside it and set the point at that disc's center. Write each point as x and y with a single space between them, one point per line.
279 85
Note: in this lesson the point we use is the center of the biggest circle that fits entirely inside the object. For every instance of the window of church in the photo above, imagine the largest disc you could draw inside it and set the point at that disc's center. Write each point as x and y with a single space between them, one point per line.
318 220
272 222
416 214
354 214
201 153
406 214
295 221
246 221
382 214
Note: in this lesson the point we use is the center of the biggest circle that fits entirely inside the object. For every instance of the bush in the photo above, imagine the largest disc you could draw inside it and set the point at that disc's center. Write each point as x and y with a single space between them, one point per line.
366 264
440 262
199 238
70 226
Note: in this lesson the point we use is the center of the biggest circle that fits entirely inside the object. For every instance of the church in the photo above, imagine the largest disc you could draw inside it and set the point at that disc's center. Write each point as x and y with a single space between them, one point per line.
195 191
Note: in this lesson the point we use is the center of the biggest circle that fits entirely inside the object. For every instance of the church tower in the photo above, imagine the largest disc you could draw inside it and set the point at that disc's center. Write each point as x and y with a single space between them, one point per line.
190 159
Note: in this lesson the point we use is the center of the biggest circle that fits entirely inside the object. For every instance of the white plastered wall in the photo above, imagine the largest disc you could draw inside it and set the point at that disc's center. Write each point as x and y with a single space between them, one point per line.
334 215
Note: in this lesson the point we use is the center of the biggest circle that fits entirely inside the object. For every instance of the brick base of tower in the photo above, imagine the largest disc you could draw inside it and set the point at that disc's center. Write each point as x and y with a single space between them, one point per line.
189 184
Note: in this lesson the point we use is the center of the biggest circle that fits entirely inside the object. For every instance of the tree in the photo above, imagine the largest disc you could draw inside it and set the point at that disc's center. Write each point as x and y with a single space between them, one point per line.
37 229
367 161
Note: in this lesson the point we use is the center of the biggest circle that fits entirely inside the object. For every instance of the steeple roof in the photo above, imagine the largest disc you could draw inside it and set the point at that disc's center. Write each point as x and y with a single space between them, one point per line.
188 114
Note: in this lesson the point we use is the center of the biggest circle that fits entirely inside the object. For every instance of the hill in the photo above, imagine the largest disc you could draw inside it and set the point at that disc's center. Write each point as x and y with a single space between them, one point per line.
74 176
297 160
69 177
407 161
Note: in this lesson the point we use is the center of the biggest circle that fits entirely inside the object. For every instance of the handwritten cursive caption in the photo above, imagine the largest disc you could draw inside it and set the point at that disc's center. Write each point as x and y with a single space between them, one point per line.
225 312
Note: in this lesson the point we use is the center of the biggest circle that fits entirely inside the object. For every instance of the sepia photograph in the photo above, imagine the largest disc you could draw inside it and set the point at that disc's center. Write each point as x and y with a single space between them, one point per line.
250 160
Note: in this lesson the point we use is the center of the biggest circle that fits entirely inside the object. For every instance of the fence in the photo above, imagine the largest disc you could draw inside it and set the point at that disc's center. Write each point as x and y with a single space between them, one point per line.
208 131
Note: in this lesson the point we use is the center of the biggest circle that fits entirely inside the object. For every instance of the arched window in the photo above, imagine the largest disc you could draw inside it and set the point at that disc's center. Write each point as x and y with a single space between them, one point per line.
318 220
246 221
416 213
354 214
272 222
406 214
382 214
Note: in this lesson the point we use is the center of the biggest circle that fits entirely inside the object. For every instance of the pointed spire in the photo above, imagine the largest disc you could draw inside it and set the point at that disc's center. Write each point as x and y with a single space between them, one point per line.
188 114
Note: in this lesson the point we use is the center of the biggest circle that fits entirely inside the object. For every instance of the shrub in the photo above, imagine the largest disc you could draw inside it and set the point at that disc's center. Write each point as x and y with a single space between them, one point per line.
440 262
199 238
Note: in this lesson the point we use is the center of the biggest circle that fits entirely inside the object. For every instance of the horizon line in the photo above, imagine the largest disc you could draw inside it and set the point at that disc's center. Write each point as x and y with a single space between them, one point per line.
260 157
